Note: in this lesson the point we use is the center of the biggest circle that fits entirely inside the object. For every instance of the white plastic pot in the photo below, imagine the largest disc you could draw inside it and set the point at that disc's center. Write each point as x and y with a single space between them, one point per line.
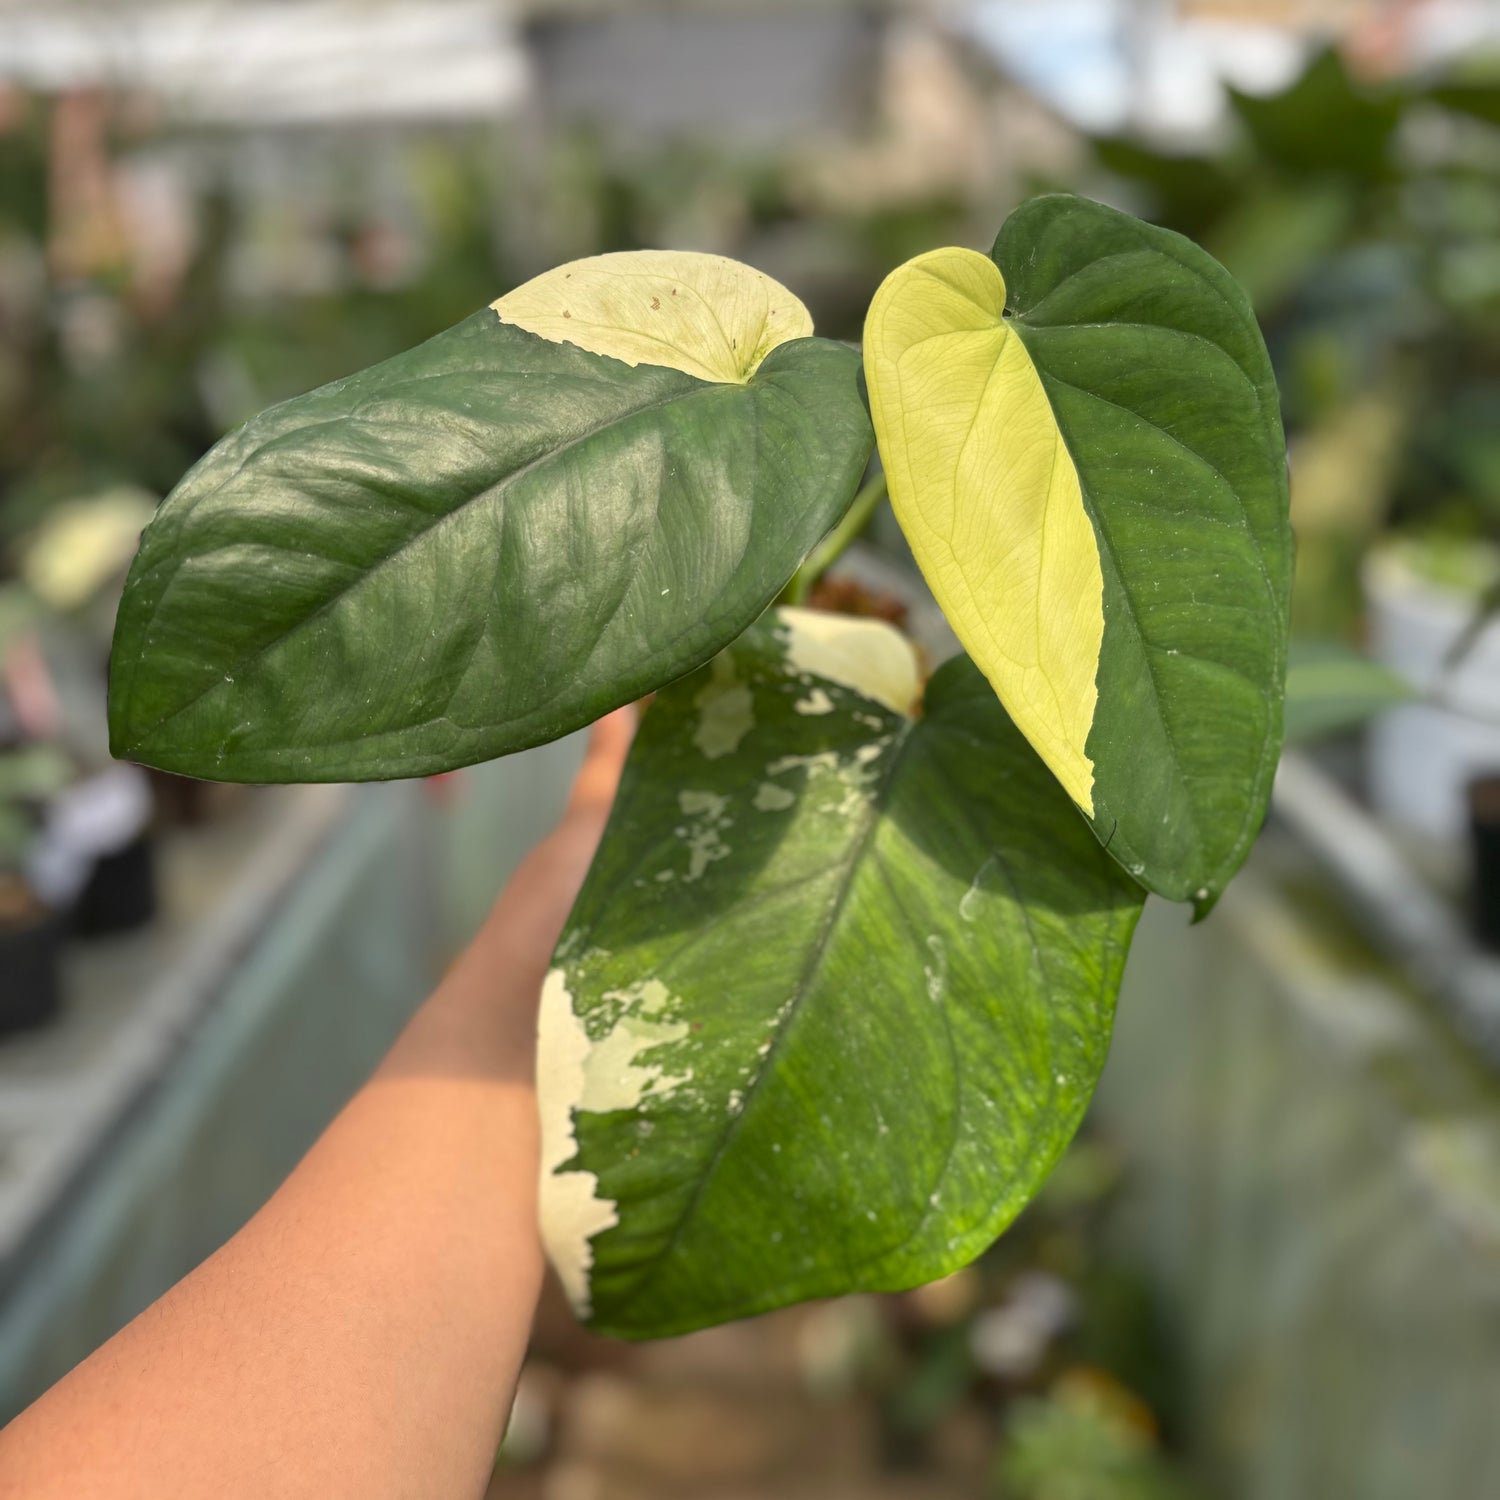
1421 757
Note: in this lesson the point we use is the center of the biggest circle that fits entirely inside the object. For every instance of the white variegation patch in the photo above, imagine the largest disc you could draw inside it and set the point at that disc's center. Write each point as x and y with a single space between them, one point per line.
575 1073
703 832
772 798
726 710
871 657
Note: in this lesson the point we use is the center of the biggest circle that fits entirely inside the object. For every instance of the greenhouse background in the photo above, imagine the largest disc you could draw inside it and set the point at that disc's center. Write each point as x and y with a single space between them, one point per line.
1270 1266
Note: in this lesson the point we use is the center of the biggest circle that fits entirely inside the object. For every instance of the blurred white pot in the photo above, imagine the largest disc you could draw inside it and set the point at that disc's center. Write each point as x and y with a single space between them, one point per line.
1421 757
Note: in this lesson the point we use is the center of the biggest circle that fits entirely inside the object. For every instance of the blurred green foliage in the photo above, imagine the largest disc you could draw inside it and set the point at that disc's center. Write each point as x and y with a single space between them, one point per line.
1054 1341
1330 688
1082 1442
101 383
1364 220
104 381
29 776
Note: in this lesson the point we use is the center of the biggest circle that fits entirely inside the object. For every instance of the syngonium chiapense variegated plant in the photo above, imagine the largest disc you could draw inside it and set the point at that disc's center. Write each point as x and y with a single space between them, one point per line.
840 982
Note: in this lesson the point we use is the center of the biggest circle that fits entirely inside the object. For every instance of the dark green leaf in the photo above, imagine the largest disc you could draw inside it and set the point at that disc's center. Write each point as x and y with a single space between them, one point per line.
474 547
1161 385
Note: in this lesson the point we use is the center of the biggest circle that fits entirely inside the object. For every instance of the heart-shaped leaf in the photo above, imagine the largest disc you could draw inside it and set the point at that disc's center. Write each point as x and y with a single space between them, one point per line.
493 538
1084 448
831 1002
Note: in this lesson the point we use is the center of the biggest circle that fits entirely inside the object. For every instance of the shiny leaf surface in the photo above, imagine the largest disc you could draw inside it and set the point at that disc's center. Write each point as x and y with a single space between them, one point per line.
831 1001
474 547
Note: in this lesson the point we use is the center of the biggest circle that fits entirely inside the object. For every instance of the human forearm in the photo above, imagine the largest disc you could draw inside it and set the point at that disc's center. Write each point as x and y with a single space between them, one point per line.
362 1334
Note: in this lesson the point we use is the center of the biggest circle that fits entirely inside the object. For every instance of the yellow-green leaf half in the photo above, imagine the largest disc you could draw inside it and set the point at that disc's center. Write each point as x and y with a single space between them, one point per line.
988 497
1084 448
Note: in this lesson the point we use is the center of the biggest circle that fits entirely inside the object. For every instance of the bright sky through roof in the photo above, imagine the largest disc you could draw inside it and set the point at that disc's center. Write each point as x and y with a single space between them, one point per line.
1108 63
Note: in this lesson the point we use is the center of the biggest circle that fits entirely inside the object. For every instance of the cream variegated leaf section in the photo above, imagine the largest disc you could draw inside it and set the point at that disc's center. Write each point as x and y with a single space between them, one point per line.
870 656
989 498
706 315
575 1072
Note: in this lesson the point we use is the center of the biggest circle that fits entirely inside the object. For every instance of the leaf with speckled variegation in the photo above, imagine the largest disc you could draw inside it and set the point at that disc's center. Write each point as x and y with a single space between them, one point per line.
860 970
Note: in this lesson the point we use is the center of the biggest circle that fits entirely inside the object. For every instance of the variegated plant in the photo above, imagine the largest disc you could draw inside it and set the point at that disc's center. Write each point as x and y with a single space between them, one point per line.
841 980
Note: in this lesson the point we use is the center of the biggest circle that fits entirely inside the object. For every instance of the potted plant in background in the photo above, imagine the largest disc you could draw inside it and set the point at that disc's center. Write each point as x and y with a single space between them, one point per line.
100 837
31 930
1430 620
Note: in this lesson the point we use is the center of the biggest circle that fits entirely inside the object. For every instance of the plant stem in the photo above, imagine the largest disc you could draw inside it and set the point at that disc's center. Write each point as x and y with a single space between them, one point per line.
828 551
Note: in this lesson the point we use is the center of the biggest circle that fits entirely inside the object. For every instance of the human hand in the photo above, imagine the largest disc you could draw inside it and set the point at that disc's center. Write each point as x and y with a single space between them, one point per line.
498 980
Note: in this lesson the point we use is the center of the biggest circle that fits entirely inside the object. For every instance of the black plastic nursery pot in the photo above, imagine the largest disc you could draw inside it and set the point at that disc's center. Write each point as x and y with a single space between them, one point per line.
1484 825
121 893
30 969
